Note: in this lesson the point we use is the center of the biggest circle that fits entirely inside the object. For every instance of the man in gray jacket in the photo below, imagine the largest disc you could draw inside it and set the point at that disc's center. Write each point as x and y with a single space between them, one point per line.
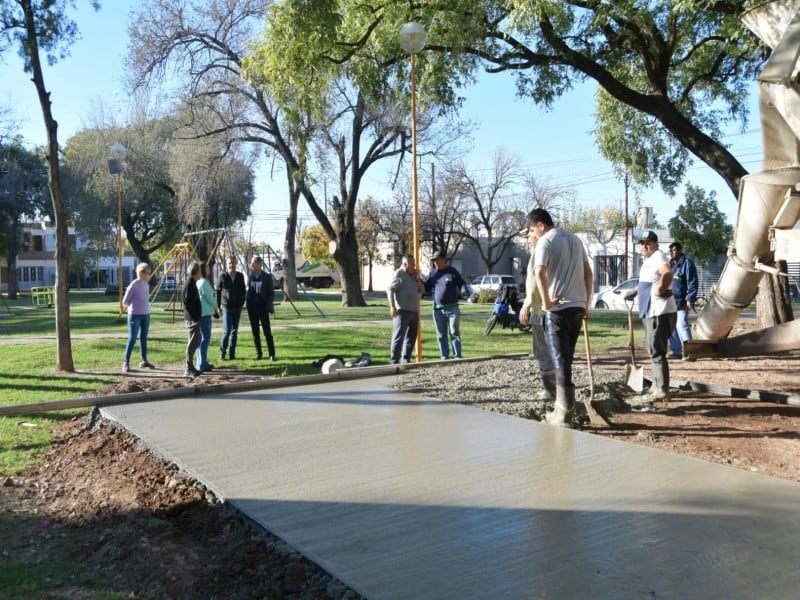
403 296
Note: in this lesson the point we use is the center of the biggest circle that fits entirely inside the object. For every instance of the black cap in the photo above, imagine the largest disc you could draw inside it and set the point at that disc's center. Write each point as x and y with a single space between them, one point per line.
440 254
648 236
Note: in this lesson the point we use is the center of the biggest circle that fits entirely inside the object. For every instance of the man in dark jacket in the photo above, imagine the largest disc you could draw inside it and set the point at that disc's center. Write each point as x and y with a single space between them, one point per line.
446 283
231 293
192 312
684 286
260 304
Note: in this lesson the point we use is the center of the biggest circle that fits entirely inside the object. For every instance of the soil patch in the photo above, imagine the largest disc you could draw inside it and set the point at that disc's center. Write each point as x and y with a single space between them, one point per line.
133 525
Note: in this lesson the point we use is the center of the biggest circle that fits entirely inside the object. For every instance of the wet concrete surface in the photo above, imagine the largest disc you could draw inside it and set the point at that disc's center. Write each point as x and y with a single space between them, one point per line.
401 496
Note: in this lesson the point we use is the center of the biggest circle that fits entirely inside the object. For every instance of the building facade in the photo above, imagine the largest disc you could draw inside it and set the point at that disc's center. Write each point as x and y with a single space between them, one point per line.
36 266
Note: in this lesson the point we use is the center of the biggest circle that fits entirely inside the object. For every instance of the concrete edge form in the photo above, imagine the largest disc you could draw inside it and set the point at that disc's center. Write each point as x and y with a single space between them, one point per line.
229 388
736 392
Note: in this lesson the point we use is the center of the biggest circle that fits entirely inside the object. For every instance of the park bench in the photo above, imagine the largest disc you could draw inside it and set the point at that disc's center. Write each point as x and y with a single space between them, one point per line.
43 296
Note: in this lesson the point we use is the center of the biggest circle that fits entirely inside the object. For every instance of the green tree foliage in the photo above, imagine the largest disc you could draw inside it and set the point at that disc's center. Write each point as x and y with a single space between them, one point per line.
684 63
169 185
314 246
595 219
23 196
700 227
150 216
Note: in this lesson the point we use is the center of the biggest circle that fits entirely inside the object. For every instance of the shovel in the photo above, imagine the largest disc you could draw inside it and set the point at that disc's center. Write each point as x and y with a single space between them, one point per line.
634 375
594 417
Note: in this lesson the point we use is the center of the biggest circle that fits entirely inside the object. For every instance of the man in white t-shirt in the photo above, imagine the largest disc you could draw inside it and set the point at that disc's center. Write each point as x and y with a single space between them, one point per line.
658 311
564 280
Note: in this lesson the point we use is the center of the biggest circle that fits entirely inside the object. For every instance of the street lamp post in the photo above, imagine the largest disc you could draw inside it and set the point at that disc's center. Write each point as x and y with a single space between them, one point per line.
412 39
115 167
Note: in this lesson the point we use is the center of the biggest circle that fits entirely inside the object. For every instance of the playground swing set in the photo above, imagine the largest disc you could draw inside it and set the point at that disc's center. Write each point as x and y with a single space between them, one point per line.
172 271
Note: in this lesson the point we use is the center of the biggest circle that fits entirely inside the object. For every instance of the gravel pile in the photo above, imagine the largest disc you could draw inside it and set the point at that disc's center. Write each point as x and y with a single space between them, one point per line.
508 386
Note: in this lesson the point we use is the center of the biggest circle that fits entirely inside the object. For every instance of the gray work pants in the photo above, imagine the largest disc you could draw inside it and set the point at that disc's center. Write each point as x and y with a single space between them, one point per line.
404 335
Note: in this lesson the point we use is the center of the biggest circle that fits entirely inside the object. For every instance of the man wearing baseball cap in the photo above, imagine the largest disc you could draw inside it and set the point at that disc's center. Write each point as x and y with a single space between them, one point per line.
658 310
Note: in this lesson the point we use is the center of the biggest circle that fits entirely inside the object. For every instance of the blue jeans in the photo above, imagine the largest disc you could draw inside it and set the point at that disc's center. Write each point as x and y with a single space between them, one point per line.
681 334
205 340
138 326
444 318
230 328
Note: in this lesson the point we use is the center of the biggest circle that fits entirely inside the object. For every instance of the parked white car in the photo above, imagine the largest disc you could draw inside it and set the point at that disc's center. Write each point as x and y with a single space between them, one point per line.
614 298
490 282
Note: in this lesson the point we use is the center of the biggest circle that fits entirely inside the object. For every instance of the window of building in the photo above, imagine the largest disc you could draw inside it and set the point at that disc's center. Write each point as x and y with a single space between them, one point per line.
609 270
38 243
39 273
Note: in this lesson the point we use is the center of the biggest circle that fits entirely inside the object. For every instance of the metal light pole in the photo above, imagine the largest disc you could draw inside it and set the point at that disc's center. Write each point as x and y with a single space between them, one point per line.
412 39
115 167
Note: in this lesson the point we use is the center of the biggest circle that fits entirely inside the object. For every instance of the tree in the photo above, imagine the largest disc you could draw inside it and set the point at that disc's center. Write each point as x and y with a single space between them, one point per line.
358 107
496 213
42 26
199 50
314 244
150 217
23 193
443 211
214 185
601 224
700 227
368 235
396 221
540 193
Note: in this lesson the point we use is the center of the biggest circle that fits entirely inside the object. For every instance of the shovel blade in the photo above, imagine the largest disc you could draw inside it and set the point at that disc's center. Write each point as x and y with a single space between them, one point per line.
634 377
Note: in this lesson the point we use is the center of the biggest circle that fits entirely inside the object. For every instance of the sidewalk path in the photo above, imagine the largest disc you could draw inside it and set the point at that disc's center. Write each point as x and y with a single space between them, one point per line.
405 497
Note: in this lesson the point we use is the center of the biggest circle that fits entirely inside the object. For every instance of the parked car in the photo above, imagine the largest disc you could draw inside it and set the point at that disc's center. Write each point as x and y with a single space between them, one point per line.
491 282
614 298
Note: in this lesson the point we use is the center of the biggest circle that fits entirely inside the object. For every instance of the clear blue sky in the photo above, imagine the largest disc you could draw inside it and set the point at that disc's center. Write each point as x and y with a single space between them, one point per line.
557 145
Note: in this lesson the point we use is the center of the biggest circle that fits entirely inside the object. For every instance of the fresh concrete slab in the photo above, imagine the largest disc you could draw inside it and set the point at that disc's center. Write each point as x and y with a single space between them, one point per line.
401 496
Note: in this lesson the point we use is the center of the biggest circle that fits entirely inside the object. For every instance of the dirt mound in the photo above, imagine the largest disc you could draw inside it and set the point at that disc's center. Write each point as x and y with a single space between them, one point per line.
145 529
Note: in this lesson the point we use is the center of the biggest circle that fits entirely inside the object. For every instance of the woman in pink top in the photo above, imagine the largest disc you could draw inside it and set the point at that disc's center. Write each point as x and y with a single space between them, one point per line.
137 299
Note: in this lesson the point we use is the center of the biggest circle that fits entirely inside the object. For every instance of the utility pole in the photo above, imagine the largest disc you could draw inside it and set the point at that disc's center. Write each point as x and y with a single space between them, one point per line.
626 181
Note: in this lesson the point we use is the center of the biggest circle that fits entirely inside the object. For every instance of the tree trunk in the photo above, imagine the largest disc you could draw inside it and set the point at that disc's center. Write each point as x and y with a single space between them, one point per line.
63 344
289 243
138 249
346 257
774 301
369 286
